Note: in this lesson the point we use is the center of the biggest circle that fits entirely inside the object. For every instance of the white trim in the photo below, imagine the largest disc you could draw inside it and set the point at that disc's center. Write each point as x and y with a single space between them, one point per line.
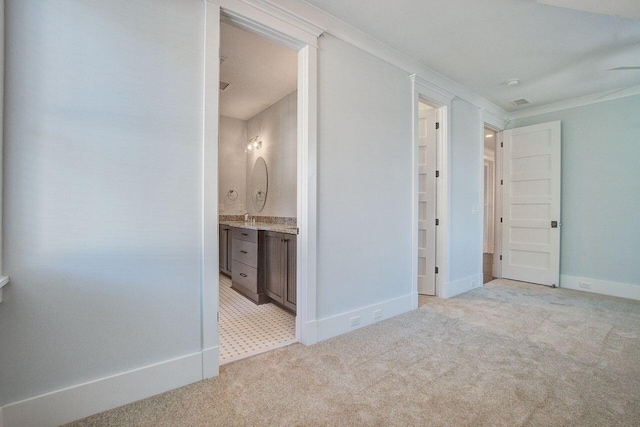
441 99
497 209
339 29
461 286
260 17
210 267
3 281
307 195
339 324
490 163
603 287
576 102
79 401
493 121
271 21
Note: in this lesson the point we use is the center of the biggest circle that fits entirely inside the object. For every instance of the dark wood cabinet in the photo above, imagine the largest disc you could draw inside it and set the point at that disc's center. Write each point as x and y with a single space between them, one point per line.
246 249
225 249
279 268
261 264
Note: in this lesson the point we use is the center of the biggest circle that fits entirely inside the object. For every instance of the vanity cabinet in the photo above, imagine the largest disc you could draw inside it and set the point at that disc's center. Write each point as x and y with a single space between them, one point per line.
224 250
279 268
245 275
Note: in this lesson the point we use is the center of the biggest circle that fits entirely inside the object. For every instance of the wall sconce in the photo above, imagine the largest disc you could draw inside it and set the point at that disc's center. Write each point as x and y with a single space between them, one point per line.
254 143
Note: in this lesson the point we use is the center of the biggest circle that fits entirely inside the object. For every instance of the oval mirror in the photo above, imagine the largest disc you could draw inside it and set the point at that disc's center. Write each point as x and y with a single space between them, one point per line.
259 184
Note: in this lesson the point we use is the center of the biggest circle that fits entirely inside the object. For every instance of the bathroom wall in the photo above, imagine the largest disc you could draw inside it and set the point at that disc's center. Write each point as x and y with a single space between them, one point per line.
276 127
232 165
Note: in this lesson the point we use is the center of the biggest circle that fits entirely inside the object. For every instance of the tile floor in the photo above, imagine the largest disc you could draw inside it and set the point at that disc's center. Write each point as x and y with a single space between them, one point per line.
247 329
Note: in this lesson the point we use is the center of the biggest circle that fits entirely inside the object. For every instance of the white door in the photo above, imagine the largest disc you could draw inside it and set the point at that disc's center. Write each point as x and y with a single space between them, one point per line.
531 204
427 202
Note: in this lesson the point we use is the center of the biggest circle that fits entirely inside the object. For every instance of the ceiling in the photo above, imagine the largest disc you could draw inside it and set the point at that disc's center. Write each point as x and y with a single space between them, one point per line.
557 53
259 72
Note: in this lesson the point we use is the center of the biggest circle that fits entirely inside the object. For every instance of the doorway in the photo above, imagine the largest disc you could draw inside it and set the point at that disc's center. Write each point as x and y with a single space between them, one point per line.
527 196
428 128
257 194
430 228
489 173
303 40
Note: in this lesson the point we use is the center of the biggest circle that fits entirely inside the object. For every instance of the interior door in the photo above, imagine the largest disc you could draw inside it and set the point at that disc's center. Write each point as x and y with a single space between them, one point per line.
531 204
427 202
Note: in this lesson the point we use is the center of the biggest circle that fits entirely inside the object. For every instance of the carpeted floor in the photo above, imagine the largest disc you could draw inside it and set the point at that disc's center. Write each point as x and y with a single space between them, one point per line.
506 354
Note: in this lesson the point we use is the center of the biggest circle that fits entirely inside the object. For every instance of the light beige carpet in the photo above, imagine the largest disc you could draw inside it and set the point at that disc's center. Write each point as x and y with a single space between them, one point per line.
507 354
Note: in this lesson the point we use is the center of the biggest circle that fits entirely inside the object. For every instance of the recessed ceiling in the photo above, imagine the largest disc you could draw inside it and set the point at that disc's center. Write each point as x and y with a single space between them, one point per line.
557 53
259 72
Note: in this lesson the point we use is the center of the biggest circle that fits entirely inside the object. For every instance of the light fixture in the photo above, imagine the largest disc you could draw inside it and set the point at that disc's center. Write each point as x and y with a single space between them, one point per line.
254 143
512 82
488 135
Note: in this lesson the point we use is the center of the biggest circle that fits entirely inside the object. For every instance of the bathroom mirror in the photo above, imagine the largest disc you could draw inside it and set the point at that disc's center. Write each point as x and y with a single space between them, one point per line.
259 184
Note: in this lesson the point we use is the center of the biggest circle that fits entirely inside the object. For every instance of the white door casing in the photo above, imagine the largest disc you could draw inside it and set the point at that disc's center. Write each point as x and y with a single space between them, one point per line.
531 172
427 143
489 198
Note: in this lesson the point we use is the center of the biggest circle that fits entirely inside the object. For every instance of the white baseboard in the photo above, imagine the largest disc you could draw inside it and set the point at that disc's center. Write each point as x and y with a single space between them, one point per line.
330 327
604 287
414 300
461 286
79 401
310 335
210 363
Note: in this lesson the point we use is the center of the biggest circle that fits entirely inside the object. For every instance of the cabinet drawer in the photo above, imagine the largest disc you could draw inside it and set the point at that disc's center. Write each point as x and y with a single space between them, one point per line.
245 276
245 252
245 234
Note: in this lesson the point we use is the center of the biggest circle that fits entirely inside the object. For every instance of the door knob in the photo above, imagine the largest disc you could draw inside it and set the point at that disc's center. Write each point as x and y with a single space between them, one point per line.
554 224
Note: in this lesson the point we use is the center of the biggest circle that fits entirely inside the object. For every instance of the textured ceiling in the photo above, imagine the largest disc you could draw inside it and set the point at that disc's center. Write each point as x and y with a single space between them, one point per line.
259 72
557 53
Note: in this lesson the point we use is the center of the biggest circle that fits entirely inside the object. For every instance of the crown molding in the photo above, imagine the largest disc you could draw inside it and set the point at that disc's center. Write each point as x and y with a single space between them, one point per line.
438 94
330 24
272 21
581 101
494 121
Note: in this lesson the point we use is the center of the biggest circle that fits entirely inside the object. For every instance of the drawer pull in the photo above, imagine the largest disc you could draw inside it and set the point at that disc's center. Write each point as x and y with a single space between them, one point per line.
244 252
244 234
243 275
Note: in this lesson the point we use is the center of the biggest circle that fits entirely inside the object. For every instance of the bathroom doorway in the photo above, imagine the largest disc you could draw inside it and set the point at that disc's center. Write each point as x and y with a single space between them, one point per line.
257 194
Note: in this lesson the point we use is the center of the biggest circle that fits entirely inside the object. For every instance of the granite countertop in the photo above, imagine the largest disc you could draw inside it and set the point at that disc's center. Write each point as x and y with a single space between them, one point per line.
263 226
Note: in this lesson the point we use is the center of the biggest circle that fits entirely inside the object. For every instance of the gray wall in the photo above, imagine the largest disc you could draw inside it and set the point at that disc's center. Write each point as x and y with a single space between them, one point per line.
364 179
232 164
600 232
466 150
103 187
102 202
276 127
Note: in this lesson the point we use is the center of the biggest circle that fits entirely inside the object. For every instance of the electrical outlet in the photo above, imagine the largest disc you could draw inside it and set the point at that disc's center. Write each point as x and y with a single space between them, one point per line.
377 314
475 210
584 285
355 320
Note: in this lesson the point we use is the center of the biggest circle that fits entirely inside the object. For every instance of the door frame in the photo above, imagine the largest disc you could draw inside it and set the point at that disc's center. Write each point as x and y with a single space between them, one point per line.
425 91
490 164
496 124
276 25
